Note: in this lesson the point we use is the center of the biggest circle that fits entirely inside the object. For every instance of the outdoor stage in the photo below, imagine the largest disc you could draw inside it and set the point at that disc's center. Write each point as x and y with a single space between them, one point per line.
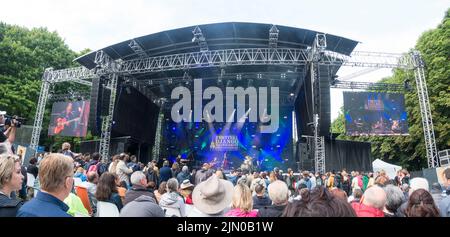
244 89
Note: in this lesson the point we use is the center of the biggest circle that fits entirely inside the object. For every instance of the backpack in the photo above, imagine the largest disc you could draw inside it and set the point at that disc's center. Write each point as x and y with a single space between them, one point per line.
94 168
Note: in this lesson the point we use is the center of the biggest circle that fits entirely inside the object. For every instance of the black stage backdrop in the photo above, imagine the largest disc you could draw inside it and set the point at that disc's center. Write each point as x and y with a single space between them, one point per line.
135 115
349 155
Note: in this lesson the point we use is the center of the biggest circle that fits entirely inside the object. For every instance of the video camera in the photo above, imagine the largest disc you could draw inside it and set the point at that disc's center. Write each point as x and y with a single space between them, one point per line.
16 120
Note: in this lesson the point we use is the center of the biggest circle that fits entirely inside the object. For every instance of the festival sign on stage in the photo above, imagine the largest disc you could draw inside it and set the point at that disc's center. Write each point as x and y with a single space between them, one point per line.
224 143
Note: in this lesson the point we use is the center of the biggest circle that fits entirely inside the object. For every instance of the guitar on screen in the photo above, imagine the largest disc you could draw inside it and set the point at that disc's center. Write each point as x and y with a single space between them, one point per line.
61 123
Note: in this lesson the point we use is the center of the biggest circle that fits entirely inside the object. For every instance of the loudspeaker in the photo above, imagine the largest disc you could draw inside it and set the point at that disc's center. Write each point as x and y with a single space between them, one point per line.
94 113
105 97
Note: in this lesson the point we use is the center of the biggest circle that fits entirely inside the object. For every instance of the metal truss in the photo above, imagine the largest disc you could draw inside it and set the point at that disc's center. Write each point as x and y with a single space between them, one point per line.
319 148
425 110
273 36
157 147
137 48
316 55
76 74
105 136
40 110
367 86
200 39
74 95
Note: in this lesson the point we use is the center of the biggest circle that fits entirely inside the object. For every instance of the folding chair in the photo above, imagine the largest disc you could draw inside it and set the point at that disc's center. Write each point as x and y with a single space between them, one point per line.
82 193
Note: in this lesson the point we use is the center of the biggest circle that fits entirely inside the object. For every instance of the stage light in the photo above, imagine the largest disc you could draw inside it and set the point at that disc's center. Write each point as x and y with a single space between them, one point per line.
173 128
253 146
285 117
278 146
278 135
292 94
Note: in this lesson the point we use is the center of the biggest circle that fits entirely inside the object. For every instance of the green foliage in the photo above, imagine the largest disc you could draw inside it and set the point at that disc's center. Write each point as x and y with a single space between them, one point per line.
409 151
24 55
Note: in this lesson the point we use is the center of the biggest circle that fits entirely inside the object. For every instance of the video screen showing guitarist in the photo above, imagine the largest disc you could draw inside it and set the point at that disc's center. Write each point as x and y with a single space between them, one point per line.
69 119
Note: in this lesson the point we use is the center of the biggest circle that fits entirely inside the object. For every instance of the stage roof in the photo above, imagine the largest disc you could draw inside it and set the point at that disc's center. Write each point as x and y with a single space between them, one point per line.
228 35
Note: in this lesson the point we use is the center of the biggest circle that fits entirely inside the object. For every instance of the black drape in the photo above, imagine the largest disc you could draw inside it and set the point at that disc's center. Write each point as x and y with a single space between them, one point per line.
349 155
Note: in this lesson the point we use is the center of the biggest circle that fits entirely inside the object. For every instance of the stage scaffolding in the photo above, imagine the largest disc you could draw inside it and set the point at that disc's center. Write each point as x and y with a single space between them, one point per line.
110 70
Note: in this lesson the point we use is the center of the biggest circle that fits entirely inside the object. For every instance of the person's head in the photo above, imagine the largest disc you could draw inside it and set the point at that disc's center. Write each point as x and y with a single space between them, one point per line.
175 166
33 161
96 156
418 183
321 204
10 176
357 193
69 107
421 204
162 187
394 197
65 146
447 177
404 172
213 195
339 193
242 198
374 197
3 148
381 180
92 177
133 159
166 163
185 169
260 189
107 184
219 174
172 185
56 174
138 178
278 192
80 170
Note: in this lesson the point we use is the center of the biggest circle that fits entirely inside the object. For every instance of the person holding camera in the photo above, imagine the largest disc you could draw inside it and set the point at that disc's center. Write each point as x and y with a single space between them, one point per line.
7 133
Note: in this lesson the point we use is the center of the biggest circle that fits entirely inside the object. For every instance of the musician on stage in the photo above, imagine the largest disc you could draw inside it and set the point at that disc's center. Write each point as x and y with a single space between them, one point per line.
67 121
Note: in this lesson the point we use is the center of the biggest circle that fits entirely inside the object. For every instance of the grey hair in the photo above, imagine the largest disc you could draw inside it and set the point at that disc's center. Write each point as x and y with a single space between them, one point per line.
375 197
136 177
394 197
3 148
172 185
278 192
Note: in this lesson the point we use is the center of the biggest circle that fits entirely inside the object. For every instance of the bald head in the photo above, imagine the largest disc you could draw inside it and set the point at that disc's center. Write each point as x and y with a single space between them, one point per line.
375 197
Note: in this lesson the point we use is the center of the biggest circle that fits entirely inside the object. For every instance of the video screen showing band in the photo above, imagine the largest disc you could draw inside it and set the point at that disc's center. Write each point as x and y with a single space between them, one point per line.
69 119
372 113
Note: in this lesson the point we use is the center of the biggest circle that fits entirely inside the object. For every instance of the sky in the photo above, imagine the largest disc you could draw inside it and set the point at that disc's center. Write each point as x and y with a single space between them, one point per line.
379 25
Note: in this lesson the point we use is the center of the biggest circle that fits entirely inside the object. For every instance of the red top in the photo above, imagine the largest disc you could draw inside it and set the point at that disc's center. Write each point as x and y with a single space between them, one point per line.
362 210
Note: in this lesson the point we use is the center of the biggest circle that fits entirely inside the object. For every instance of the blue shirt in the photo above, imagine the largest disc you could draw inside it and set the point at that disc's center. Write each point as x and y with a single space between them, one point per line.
44 205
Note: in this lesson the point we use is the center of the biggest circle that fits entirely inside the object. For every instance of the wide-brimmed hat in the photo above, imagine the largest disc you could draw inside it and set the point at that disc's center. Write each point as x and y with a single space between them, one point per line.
186 184
213 195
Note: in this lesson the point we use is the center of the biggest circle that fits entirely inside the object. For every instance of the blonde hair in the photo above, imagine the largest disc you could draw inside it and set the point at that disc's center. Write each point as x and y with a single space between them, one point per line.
54 170
242 198
66 146
7 167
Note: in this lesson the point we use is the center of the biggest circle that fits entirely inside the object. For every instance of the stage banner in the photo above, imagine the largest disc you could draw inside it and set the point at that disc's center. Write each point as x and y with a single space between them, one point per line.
224 143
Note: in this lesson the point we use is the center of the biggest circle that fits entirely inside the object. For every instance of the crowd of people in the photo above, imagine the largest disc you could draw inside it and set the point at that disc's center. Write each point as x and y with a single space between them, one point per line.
70 184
